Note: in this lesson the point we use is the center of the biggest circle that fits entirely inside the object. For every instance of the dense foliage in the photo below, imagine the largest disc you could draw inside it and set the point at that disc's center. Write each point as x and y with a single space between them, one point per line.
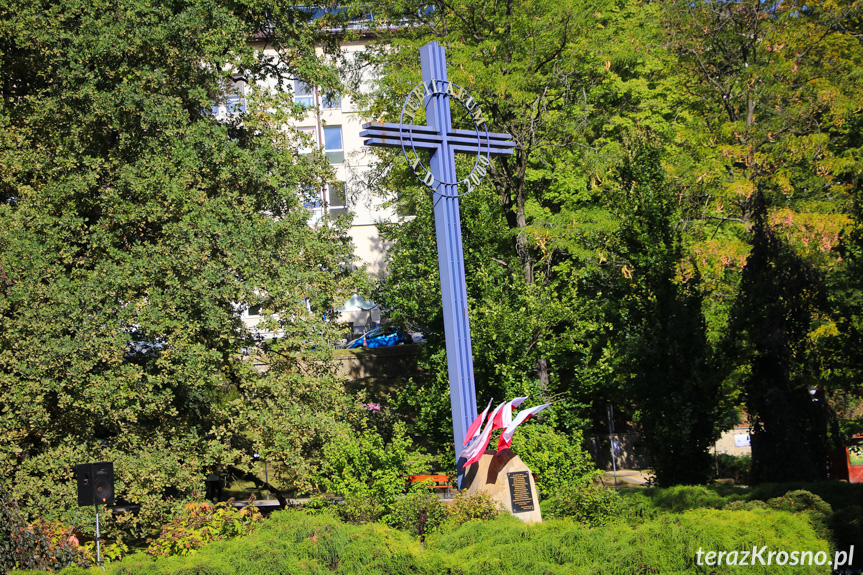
590 504
678 214
369 470
678 233
202 523
292 542
555 458
28 546
135 228
420 512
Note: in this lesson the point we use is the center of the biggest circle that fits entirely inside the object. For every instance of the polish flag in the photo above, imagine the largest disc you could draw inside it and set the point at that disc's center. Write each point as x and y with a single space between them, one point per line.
504 416
506 437
474 451
473 430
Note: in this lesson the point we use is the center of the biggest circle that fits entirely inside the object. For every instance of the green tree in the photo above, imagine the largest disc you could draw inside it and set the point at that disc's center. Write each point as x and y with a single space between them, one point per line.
135 226
544 262
842 363
773 87
663 359
775 168
773 81
769 334
834 343
521 62
751 102
512 323
540 72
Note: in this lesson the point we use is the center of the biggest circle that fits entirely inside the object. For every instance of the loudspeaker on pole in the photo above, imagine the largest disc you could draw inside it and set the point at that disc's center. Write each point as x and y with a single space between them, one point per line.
95 483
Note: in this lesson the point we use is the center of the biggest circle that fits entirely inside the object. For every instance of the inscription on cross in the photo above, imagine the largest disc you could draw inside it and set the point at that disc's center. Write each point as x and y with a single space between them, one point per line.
437 95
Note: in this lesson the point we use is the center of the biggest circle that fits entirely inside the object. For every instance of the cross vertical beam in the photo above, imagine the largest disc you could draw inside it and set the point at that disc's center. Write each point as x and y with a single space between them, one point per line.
459 352
443 142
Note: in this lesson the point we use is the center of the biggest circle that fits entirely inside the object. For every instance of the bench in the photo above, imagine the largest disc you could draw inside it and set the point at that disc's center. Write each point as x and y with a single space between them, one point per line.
440 481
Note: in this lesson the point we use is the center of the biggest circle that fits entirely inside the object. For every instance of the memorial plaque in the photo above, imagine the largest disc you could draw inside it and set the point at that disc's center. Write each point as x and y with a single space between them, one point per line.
505 478
520 494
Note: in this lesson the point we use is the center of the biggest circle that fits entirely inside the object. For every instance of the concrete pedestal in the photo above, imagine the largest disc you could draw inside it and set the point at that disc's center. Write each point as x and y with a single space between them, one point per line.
507 480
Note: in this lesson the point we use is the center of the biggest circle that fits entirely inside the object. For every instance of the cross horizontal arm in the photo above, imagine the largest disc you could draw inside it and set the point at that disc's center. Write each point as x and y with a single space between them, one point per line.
465 148
396 128
428 138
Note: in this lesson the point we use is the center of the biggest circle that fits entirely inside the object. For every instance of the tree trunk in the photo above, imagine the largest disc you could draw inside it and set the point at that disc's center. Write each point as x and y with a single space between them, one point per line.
542 375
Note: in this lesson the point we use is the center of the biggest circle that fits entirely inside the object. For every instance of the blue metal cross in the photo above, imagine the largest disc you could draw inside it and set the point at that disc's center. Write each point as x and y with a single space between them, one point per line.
439 138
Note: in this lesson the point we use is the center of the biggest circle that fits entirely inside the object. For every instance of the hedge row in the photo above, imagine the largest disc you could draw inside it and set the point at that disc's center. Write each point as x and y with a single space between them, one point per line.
295 543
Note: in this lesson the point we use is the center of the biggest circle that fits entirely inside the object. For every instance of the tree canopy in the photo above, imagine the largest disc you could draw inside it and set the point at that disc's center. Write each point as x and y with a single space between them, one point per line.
136 227
678 233
600 270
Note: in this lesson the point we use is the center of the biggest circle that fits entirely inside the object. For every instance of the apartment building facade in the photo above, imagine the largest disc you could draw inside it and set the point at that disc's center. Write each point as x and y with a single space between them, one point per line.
333 125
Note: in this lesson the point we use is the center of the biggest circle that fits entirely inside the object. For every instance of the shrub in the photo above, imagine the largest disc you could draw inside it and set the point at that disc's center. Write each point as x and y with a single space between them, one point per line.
801 501
733 467
586 503
201 523
847 527
300 544
359 509
472 507
293 542
71 570
746 505
636 506
319 504
24 546
420 513
838 494
683 497
665 545
366 466
555 458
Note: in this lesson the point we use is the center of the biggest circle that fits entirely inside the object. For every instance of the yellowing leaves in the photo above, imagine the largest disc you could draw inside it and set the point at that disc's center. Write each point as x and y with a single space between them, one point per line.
824 330
781 180
741 188
714 256
813 232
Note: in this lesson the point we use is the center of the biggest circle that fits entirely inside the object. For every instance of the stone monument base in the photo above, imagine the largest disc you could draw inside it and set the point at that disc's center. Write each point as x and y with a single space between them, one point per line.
506 479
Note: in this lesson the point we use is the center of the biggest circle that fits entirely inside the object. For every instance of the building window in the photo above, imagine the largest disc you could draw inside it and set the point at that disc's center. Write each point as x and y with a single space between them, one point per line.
254 310
308 143
333 102
333 148
330 201
304 94
235 105
313 201
311 197
336 201
232 100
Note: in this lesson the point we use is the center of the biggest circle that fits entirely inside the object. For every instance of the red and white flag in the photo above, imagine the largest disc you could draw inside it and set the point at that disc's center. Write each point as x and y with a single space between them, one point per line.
504 416
474 428
473 452
506 437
